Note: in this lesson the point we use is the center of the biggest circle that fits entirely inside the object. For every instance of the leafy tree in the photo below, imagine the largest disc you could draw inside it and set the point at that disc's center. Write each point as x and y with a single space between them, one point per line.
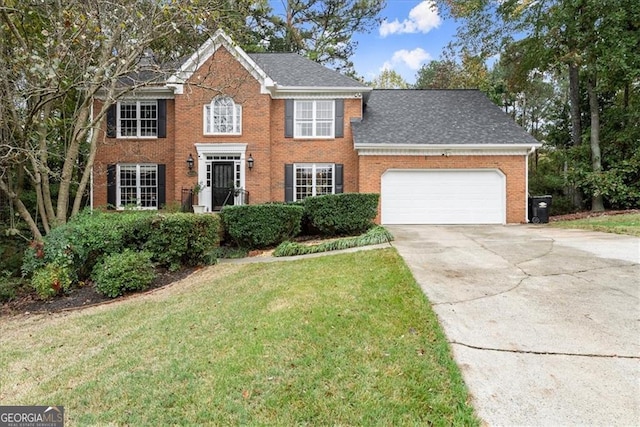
592 42
389 79
321 30
470 73
55 57
437 74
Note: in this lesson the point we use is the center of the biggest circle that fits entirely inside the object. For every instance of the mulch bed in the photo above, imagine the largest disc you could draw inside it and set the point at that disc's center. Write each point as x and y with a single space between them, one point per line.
589 214
85 296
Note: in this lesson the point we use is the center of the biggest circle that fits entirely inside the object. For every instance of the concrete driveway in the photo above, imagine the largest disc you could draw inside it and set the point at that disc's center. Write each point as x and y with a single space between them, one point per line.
544 323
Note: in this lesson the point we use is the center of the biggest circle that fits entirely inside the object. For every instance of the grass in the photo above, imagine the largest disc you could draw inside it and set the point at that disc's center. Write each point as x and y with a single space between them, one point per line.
620 224
343 339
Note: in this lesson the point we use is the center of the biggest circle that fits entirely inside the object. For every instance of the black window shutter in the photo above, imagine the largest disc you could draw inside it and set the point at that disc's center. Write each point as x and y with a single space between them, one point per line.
111 122
339 118
288 118
162 185
339 178
288 182
111 186
162 118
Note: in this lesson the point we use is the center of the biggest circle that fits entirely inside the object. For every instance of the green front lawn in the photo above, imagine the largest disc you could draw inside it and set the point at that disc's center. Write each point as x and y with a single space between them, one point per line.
621 224
343 339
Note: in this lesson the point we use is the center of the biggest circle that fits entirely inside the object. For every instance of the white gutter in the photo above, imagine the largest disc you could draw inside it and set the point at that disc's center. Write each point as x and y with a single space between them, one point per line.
445 149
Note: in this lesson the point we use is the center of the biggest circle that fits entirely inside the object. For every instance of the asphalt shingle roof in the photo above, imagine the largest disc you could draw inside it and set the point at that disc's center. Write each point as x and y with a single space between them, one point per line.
291 69
436 117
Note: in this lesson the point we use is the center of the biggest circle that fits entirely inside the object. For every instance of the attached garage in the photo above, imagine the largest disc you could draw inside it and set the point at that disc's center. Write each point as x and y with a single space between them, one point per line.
443 196
442 157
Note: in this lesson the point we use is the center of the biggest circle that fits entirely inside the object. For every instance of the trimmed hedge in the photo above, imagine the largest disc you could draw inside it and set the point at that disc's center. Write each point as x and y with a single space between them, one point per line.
259 226
181 239
345 214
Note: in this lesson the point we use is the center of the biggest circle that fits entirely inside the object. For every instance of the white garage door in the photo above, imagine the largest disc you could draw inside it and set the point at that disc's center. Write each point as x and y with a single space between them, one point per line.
443 197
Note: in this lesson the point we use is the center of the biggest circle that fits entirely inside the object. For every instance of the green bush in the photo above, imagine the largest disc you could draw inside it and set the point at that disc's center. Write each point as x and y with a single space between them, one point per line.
79 243
374 236
56 249
124 271
51 280
10 286
344 214
181 239
259 226
174 240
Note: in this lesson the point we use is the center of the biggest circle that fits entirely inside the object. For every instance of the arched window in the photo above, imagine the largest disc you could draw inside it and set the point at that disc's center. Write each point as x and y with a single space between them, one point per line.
222 116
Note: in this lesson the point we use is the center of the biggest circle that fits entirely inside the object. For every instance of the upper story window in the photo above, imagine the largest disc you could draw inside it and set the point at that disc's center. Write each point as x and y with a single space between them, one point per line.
138 119
223 117
314 119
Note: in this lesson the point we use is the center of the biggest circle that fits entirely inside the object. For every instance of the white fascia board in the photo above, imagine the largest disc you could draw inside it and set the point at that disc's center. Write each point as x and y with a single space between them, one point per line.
142 92
206 50
445 149
289 92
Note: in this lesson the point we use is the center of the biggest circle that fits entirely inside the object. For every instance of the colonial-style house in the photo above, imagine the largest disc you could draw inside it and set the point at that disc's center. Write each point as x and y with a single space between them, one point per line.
261 127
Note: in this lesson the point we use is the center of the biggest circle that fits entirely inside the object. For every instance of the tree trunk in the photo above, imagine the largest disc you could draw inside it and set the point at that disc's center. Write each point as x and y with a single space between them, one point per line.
574 102
597 203
576 126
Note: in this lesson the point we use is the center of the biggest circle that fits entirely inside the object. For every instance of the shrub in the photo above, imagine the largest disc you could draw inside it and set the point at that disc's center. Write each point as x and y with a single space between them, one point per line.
56 249
124 271
259 226
79 243
181 238
10 286
51 279
341 214
374 236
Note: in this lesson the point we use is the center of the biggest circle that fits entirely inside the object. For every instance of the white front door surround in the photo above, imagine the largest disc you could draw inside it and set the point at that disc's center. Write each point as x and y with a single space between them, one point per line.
210 153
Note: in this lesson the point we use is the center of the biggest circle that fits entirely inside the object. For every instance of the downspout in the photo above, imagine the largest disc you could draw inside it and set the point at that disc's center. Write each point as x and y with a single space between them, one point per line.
526 180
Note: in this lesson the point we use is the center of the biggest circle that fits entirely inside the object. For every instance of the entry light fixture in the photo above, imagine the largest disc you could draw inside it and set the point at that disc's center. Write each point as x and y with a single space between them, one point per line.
190 162
250 161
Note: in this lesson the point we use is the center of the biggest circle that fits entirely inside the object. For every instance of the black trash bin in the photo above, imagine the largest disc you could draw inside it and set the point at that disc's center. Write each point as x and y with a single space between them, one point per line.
539 207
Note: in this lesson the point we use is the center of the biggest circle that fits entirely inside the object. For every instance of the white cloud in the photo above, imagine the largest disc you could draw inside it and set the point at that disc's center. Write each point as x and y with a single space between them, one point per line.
410 58
422 19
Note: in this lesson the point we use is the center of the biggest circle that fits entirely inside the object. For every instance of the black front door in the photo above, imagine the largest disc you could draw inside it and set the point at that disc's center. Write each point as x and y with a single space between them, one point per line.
222 185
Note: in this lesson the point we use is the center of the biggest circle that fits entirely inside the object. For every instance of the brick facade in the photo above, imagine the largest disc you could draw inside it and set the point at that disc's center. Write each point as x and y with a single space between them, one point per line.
263 131
513 167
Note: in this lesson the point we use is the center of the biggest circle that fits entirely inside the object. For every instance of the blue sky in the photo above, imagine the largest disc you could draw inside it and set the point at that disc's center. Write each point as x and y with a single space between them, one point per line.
412 34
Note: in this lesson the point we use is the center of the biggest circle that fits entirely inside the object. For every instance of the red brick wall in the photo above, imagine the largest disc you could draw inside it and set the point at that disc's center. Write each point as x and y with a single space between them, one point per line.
372 168
290 150
222 74
262 131
150 150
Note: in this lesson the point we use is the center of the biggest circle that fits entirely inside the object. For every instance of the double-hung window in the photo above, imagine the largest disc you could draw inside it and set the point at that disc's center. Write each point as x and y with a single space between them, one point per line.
314 119
314 179
138 119
222 117
137 186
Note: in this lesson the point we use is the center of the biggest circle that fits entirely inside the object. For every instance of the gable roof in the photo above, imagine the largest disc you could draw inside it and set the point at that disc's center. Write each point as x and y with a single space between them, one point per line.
449 118
294 70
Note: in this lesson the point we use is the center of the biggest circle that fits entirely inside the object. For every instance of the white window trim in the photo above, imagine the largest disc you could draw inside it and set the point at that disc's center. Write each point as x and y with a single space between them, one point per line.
296 135
314 166
119 205
237 118
138 119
